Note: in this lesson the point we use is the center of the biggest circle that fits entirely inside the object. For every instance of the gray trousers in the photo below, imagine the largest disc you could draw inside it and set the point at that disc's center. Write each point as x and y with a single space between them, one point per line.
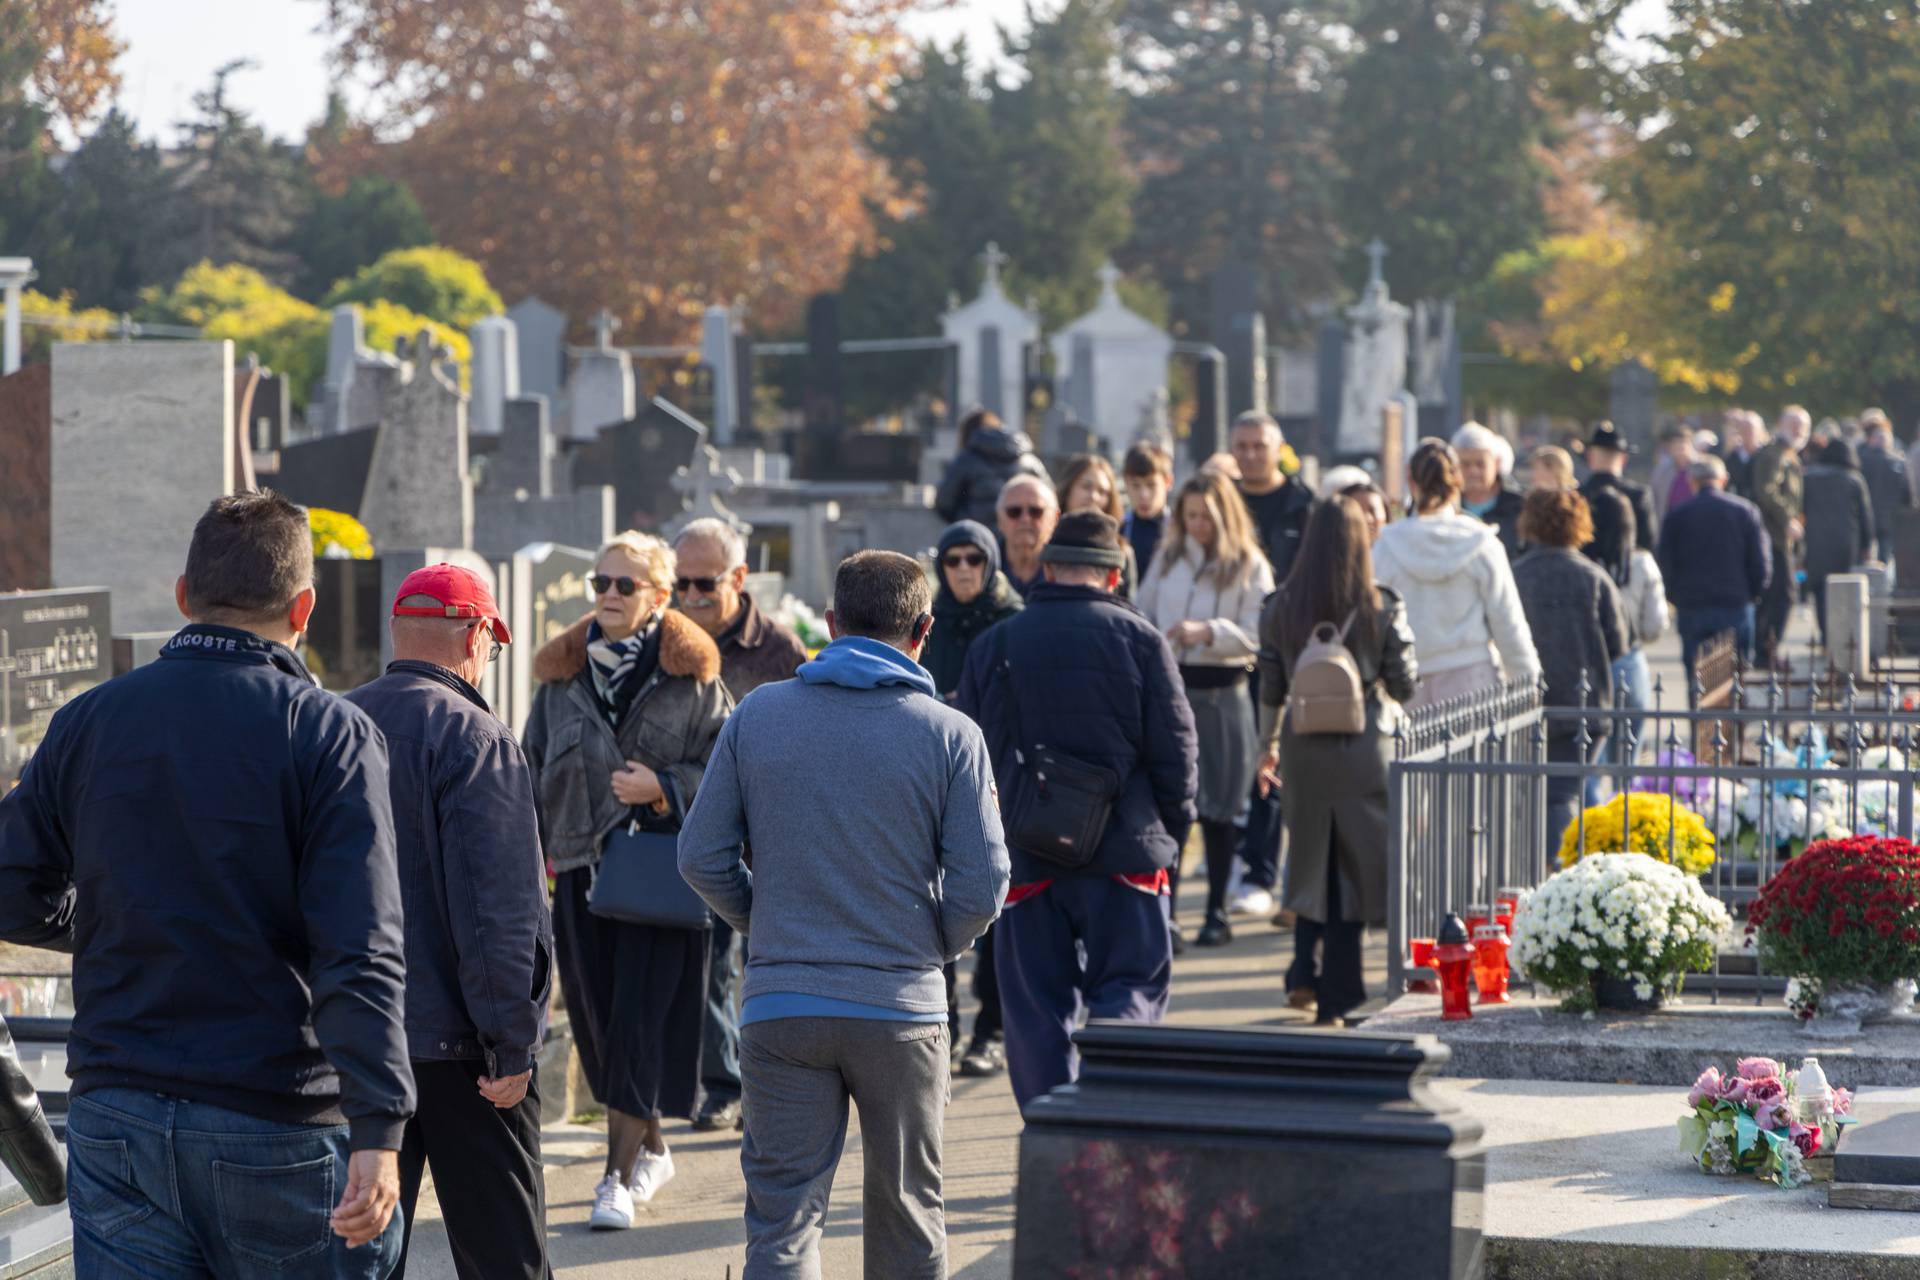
797 1076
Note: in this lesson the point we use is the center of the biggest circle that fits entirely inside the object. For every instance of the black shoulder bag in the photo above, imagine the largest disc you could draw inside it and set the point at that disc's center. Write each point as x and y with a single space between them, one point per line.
1062 811
638 881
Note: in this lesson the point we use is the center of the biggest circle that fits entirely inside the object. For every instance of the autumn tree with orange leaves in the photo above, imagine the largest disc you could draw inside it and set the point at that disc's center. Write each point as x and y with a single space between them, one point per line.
647 156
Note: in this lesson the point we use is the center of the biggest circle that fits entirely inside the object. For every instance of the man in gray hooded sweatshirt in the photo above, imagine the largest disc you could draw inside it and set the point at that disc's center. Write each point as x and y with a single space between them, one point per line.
868 811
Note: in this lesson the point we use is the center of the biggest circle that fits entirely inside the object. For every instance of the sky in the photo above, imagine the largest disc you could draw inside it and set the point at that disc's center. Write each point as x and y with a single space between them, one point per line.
173 47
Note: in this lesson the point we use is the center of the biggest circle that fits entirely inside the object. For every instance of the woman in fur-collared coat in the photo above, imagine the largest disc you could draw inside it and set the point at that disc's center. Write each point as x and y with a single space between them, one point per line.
629 704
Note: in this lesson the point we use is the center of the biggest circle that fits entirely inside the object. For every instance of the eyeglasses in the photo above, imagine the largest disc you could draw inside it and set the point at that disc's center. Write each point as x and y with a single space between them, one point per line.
1024 513
600 582
706 586
493 654
971 559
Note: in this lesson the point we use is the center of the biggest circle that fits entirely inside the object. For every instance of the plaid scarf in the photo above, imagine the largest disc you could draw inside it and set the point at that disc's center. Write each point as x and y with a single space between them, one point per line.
615 664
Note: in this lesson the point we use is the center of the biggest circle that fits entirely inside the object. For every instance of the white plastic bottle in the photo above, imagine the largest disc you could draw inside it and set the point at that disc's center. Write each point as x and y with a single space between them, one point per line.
1813 1095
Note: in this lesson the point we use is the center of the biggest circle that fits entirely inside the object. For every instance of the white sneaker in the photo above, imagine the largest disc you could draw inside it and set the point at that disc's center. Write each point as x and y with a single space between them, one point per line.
650 1173
1252 900
612 1206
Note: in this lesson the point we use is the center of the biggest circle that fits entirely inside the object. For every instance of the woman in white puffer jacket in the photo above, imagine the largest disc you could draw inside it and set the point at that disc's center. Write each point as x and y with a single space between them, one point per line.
1469 631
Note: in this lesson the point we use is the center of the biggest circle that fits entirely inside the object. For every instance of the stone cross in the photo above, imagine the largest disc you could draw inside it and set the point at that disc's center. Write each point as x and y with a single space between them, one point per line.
1376 255
994 260
1109 280
702 482
603 326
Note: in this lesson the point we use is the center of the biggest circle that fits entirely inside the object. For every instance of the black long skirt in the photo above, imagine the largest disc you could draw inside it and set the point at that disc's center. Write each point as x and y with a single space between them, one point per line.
636 996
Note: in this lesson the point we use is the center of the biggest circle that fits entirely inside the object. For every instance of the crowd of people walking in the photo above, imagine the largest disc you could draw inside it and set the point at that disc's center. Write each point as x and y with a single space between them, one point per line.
327 964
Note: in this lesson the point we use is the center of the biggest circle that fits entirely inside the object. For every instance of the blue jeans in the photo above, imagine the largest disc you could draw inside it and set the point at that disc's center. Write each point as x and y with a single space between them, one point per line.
1697 626
166 1189
720 1028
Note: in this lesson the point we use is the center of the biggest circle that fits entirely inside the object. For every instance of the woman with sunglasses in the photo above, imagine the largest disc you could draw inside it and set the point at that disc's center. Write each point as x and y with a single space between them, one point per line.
973 594
629 704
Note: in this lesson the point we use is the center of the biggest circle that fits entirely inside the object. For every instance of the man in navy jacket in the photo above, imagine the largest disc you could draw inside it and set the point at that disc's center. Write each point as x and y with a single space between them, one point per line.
479 937
1716 561
210 836
1083 673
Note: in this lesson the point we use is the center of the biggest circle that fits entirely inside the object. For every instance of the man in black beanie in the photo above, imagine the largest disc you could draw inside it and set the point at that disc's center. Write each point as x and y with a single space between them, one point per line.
1080 684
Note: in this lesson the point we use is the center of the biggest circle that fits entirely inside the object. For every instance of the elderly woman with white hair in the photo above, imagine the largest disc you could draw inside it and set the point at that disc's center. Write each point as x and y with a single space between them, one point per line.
629 704
1487 492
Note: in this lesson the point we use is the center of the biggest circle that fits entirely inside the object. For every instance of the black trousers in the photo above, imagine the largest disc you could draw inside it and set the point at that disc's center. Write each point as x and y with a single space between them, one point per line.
1222 840
986 989
1339 978
486 1171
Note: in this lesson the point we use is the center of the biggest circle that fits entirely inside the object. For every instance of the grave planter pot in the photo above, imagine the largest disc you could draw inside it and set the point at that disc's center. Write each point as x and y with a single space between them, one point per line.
1618 995
1836 1011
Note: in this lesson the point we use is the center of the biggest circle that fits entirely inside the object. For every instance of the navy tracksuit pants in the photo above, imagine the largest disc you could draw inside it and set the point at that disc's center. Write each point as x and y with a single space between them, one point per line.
1085 942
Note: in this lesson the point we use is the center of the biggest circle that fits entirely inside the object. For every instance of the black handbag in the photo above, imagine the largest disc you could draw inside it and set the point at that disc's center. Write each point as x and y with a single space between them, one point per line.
1062 811
27 1145
638 881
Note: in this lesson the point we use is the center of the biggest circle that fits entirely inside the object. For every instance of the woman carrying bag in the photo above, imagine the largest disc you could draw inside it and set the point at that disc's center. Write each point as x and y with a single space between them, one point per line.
629 704
1336 655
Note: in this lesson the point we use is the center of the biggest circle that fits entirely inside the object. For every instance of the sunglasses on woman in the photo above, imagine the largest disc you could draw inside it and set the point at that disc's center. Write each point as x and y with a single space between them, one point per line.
971 559
600 582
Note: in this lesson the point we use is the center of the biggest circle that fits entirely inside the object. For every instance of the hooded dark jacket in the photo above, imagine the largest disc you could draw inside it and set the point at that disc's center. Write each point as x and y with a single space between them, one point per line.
1839 520
479 938
971 488
1505 518
1095 680
211 836
957 625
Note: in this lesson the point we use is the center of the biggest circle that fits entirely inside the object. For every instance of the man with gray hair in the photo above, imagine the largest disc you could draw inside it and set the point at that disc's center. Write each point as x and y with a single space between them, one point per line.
1716 560
479 937
710 558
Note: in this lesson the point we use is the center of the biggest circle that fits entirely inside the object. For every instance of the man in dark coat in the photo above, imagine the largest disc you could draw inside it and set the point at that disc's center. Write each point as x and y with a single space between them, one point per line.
710 567
989 456
238 963
479 937
1715 559
1779 490
1615 536
1885 469
1093 676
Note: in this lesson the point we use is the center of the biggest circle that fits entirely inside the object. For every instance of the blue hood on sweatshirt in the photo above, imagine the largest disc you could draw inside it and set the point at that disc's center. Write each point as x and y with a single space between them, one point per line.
855 662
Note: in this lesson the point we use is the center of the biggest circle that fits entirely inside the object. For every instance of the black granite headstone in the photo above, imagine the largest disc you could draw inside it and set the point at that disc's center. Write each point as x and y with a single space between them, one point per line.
343 644
824 396
1883 1147
329 471
54 646
991 382
1240 331
1332 356
638 458
1216 1154
272 411
1209 433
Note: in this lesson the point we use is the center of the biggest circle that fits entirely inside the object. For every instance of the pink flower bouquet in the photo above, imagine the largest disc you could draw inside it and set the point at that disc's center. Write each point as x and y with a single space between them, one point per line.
1752 1122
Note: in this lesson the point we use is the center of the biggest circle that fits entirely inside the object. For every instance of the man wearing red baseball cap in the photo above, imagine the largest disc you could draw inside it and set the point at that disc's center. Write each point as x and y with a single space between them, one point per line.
479 937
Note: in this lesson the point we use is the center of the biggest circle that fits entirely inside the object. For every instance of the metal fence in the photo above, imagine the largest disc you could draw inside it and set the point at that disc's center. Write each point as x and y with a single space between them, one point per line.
1467 803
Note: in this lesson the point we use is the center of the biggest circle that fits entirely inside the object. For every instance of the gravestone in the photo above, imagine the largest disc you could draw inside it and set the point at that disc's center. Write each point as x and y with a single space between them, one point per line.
703 483
54 646
540 339
495 375
26 480
143 439
419 493
346 336
549 595
1209 1153
1633 403
1376 362
638 458
1209 433
600 392
717 354
272 413
343 644
1115 361
524 460
990 335
505 522
1435 375
1240 331
329 471
1331 351
1878 1163
1849 627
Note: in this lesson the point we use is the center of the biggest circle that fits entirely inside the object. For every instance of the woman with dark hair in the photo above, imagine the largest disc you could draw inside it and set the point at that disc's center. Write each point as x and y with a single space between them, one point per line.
1453 574
1373 505
990 455
1574 611
1839 519
1335 784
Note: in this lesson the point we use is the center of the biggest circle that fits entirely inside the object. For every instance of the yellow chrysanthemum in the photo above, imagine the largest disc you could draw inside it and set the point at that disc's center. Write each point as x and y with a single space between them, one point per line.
1640 822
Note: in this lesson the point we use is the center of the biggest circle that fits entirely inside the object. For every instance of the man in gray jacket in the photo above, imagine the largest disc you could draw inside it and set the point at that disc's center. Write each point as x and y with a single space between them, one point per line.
868 810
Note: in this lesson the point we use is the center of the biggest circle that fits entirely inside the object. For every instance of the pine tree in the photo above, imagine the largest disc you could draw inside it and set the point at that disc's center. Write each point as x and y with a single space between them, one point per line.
119 224
238 189
1058 134
1438 133
1232 133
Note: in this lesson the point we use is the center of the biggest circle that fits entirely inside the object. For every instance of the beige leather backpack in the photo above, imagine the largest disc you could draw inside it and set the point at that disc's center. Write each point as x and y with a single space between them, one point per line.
1327 694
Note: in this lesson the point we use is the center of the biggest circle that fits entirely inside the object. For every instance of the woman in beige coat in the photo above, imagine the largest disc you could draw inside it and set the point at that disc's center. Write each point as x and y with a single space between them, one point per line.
1204 592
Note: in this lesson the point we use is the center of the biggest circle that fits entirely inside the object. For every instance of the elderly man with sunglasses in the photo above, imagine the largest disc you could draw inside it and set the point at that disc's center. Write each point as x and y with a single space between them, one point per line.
1027 513
710 560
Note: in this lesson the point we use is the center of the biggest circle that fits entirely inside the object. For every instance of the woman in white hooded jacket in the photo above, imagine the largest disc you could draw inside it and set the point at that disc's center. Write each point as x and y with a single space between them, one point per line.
1469 631
1204 592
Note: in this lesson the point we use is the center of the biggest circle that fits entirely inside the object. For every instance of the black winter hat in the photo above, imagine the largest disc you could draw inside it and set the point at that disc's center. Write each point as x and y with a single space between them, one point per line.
1086 537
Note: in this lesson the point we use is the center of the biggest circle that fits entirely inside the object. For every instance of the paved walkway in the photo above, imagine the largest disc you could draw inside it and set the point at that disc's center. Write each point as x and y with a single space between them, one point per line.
693 1231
